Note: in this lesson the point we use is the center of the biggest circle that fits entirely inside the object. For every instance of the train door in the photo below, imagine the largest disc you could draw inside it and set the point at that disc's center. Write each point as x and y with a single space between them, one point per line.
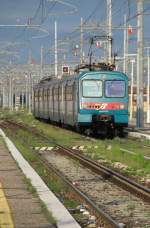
53 103
42 103
48 103
35 102
74 101
59 102
69 102
64 103
38 102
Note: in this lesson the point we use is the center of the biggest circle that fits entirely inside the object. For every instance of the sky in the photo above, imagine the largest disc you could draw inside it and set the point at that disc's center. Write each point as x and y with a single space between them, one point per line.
16 43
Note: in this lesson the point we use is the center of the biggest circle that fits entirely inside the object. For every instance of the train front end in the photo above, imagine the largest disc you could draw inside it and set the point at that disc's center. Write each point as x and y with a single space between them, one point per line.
103 102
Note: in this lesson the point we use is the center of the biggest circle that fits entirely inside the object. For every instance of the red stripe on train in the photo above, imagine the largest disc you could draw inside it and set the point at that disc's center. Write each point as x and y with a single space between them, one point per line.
103 106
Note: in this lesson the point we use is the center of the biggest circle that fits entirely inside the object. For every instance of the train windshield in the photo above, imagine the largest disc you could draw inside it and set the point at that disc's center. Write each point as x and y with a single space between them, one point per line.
114 88
92 88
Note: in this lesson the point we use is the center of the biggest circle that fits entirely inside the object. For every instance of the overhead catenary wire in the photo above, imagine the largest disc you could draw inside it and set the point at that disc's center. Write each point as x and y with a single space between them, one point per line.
76 33
129 19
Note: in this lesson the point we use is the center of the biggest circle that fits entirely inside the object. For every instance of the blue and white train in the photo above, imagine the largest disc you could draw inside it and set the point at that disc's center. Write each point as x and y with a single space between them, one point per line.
90 101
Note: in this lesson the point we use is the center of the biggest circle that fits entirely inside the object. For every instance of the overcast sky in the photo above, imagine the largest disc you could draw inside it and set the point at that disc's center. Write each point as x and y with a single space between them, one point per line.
21 40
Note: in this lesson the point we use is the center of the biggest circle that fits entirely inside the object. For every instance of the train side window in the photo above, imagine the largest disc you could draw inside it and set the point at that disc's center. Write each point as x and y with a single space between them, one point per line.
69 93
40 95
55 94
45 95
35 95
48 94
60 93
64 93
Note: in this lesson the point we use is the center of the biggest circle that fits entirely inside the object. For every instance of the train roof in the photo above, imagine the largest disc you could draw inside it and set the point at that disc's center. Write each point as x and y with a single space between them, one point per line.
80 71
53 81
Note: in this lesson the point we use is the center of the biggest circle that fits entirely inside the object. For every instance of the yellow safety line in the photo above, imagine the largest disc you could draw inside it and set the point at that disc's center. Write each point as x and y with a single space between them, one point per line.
5 212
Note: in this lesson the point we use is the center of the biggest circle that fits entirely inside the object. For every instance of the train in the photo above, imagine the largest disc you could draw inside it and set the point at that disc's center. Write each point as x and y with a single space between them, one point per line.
91 101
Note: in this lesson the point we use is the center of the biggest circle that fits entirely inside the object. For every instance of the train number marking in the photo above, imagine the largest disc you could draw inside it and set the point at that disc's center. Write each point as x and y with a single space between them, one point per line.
103 106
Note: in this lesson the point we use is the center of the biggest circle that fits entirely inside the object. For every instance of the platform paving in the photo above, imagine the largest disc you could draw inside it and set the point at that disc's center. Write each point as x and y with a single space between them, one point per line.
20 208
25 206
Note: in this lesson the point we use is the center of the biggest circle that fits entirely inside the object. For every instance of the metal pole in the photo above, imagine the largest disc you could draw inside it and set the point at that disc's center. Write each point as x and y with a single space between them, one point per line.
109 22
81 41
140 106
29 92
12 94
148 86
22 100
56 53
26 91
131 93
125 49
3 96
32 94
42 52
10 91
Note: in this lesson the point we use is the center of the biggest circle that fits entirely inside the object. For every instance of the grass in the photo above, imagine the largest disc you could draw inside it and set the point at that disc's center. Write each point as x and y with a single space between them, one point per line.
29 186
107 151
136 164
47 214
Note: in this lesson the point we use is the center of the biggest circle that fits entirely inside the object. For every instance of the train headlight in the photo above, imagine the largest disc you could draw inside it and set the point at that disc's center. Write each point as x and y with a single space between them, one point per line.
84 105
122 106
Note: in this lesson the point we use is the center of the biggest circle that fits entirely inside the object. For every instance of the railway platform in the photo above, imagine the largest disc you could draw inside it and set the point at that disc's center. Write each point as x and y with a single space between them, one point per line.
143 132
146 128
20 205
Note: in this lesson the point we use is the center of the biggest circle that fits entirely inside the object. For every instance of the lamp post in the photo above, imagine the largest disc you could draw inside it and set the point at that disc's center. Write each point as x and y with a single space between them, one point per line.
148 86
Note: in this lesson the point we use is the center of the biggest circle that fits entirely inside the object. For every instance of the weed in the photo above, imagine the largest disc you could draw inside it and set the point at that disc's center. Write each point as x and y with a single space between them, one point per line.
30 187
108 150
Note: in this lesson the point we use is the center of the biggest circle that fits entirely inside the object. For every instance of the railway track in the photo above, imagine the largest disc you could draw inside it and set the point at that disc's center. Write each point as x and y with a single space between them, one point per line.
109 174
106 173
112 199
103 219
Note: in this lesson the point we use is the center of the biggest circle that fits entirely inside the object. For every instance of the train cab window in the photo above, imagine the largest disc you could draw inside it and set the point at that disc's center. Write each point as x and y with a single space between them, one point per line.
114 88
92 88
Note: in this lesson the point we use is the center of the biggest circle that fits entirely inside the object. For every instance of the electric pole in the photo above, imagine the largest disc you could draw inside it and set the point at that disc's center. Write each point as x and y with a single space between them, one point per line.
140 68
109 24
56 51
148 85
42 52
131 88
81 41
125 56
